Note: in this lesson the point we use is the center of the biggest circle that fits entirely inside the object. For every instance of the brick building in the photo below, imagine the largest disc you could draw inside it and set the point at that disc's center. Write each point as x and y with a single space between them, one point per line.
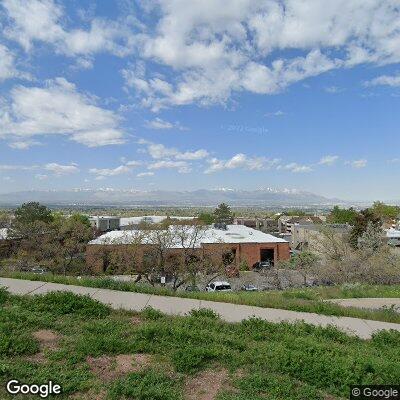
244 243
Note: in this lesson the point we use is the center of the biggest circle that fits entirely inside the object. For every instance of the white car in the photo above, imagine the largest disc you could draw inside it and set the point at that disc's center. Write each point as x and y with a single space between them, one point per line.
219 287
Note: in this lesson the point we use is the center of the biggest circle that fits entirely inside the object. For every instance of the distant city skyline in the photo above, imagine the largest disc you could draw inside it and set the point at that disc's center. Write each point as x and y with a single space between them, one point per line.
176 95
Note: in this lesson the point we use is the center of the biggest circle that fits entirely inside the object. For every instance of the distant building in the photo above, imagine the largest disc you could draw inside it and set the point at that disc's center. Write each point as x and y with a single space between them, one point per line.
393 237
104 223
309 236
245 244
267 225
286 223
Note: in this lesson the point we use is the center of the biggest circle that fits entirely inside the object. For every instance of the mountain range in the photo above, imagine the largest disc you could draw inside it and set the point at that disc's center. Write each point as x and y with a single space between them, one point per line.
201 197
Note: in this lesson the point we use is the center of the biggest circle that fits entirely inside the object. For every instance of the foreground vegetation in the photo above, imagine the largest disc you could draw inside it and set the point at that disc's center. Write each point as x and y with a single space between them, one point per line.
94 352
305 299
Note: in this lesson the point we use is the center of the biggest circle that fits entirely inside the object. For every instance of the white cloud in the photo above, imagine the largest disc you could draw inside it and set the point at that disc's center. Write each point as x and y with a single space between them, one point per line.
59 169
215 48
42 21
158 123
23 144
41 177
357 163
159 151
333 89
182 166
278 113
58 109
328 160
296 168
239 160
384 80
122 169
143 174
7 64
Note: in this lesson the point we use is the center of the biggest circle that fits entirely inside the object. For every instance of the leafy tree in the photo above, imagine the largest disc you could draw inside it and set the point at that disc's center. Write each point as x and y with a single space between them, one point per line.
223 214
206 218
33 212
371 240
83 219
342 215
385 211
363 219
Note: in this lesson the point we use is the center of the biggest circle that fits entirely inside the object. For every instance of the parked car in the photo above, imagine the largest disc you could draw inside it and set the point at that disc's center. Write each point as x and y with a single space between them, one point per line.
219 287
263 265
249 288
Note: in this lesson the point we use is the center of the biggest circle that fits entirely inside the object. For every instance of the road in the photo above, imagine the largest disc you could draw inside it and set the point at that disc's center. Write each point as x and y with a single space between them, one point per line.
180 306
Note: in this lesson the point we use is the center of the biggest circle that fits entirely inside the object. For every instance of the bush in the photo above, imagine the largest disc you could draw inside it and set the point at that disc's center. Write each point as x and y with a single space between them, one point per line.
204 313
152 314
62 303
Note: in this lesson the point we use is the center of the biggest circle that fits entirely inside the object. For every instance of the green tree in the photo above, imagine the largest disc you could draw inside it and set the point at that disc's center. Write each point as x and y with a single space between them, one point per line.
385 211
363 220
32 212
206 218
223 214
342 215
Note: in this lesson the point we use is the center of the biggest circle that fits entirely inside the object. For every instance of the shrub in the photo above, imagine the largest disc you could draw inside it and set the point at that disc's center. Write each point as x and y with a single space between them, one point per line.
204 313
152 314
61 303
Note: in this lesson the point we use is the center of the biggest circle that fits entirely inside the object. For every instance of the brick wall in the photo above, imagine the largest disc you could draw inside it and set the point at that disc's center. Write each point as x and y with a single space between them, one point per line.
97 255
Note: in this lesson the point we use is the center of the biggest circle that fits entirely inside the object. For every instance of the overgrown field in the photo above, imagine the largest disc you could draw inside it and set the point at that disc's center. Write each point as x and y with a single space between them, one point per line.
96 353
307 299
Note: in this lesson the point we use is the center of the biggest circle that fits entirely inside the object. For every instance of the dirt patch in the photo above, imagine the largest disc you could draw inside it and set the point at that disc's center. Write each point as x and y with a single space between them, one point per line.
109 368
136 320
48 340
206 385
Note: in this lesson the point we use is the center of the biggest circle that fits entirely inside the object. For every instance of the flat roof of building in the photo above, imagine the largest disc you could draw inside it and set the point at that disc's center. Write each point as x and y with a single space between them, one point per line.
210 235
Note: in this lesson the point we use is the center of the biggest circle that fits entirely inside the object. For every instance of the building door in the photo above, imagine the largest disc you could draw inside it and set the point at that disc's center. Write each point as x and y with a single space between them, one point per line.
267 255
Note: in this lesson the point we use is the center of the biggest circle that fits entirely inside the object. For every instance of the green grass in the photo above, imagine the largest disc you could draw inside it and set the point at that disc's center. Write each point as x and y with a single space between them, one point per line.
307 299
263 360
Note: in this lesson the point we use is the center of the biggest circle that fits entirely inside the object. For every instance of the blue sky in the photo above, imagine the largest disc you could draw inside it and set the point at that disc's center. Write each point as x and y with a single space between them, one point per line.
204 94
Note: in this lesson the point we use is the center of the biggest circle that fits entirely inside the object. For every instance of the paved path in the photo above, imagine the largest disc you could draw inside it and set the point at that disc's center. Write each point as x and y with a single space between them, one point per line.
369 303
179 306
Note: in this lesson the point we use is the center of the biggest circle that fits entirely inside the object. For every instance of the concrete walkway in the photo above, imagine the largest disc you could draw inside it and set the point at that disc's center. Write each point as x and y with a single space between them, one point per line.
179 306
369 303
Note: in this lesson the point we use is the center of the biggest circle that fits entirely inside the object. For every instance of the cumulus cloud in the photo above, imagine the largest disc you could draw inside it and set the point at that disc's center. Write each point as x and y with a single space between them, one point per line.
328 160
215 48
159 151
57 109
158 123
122 169
239 160
42 21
